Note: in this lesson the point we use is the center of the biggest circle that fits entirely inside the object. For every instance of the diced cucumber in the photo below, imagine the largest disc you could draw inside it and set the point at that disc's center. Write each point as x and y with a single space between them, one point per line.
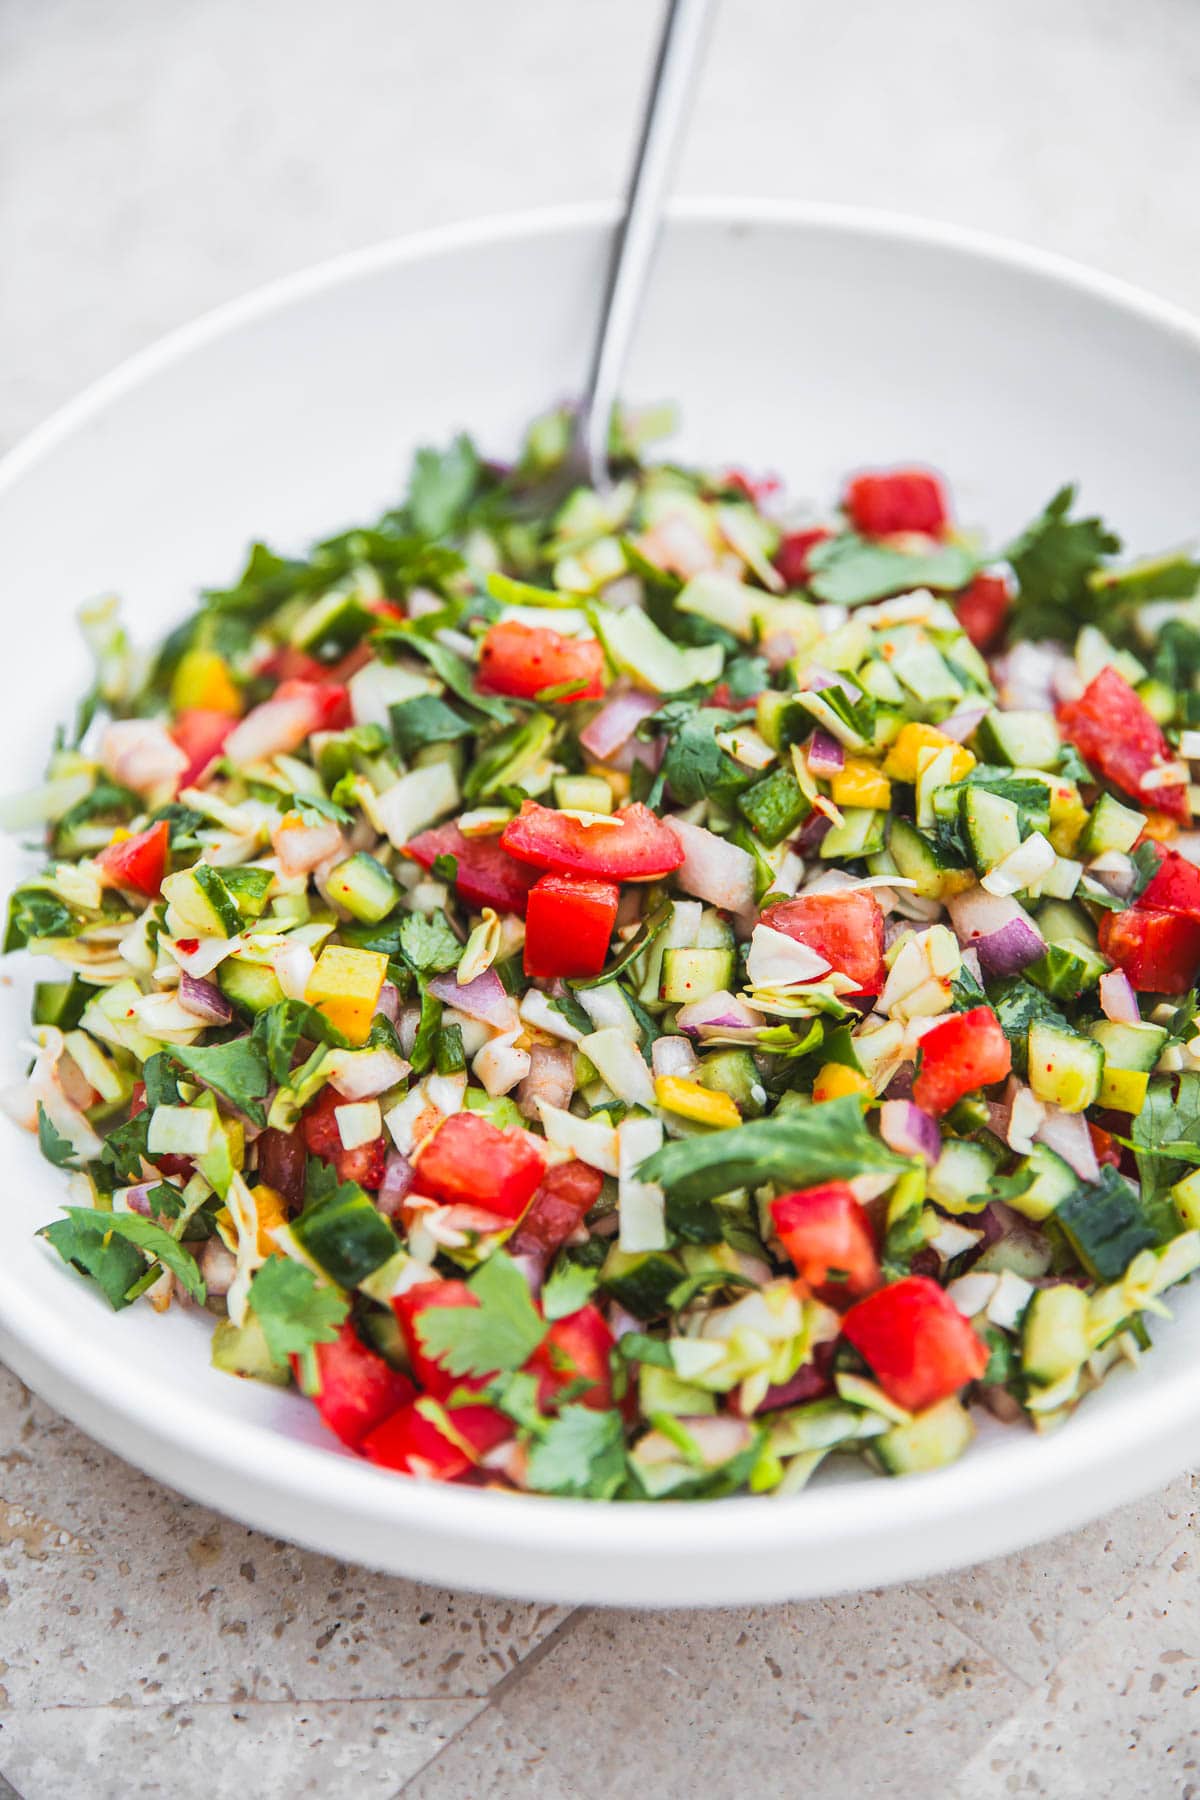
1104 1224
917 858
1064 1069
641 1281
721 600
861 833
1062 923
960 1177
1111 826
199 904
1158 699
1052 1181
252 986
682 933
992 825
712 933
775 806
661 1391
60 1003
1065 970
583 793
733 1072
1024 1249
1028 739
331 626
1129 1046
1054 1337
925 672
1186 1196
694 974
363 887
242 1350
929 1441
249 887
345 1236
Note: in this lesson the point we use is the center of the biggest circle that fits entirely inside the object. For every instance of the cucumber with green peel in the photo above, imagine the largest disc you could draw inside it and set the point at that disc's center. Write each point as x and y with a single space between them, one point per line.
60 1003
992 826
199 904
935 874
252 986
1105 1226
733 1072
959 1179
1052 1180
861 833
689 975
344 1235
242 1350
776 806
1060 922
249 887
641 1281
1111 826
1054 1335
1065 1069
363 888
1067 970
1129 1046
930 1440
1028 739
661 1391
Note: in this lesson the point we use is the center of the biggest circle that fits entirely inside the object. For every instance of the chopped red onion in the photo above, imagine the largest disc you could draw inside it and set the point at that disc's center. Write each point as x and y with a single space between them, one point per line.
484 998
962 723
551 1078
970 961
809 1382
1067 1134
998 927
533 1267
825 755
721 1012
398 1177
816 827
909 1131
137 1199
900 1087
616 722
388 1004
407 1026
218 1267
204 999
1118 1001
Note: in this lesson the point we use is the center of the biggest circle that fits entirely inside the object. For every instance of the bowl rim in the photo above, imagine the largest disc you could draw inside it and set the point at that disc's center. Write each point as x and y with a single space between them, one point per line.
671 1532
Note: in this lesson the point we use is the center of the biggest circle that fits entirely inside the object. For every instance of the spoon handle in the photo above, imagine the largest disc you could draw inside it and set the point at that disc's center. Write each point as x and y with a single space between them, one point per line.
667 107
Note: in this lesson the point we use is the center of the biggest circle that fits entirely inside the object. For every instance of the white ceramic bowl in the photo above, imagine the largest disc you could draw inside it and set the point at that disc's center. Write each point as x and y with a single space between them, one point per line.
799 339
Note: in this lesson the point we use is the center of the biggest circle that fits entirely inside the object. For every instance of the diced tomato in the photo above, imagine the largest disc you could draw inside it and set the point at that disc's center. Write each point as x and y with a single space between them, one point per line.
829 1238
792 556
756 488
487 875
332 703
962 1052
1175 888
358 1389
408 1308
1159 951
638 847
287 663
982 609
281 1160
364 1164
568 1190
568 924
468 1160
1113 731
137 862
845 928
415 1444
918 1344
200 734
1105 1145
728 702
897 500
522 660
575 1349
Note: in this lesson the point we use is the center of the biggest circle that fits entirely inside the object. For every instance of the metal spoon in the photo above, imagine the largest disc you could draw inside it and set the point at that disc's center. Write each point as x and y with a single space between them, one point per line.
667 107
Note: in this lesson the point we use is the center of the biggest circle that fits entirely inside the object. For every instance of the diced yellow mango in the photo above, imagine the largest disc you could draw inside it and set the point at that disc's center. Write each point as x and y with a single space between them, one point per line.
691 1101
1161 827
835 1081
617 780
345 985
954 763
1186 1195
270 1209
861 783
1123 1089
901 762
203 680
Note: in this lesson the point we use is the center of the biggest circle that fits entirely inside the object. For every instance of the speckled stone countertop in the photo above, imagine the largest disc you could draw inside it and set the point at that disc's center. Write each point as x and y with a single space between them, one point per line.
156 159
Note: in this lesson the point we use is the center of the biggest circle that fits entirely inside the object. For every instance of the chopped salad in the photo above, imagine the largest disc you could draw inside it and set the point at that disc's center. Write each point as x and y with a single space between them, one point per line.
629 995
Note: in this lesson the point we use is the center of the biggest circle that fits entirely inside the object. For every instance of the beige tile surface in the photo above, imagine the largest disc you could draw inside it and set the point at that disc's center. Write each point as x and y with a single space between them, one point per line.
159 156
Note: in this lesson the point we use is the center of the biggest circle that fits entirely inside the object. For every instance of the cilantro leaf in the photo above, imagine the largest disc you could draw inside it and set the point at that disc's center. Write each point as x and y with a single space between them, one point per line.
451 668
112 1263
501 1333
53 1145
581 1453
1053 560
694 766
428 945
445 868
146 1235
279 1028
316 806
570 1286
1167 1119
825 1143
849 571
441 486
237 1071
294 1309
125 1147
425 719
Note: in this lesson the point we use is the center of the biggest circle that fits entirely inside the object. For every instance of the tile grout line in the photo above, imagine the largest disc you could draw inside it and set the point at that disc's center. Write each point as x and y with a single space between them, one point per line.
505 1685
